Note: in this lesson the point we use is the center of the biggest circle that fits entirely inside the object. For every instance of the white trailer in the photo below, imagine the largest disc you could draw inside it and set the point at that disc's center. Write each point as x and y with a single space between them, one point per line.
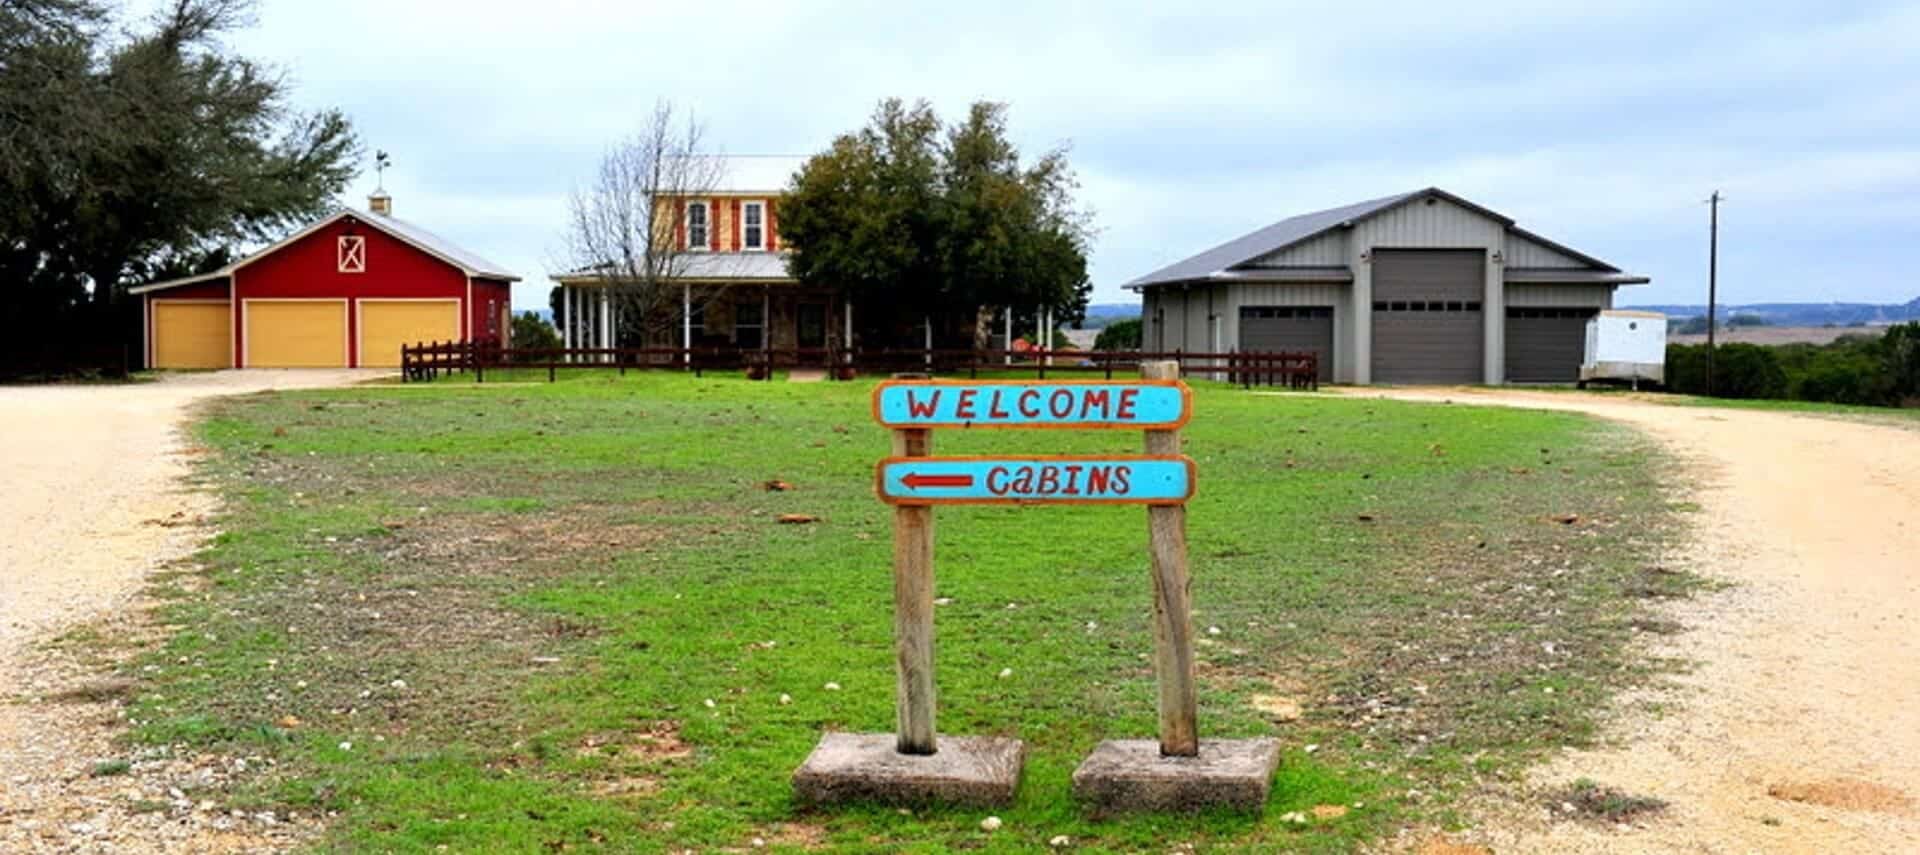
1625 347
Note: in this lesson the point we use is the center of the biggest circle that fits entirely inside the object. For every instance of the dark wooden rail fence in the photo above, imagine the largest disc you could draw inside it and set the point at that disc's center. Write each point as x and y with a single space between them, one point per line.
428 360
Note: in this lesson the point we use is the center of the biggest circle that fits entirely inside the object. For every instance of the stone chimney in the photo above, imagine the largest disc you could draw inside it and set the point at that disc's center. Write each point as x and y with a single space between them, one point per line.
380 203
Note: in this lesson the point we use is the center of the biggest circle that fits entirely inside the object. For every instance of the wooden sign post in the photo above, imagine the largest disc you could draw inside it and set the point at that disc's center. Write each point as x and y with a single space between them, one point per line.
916 765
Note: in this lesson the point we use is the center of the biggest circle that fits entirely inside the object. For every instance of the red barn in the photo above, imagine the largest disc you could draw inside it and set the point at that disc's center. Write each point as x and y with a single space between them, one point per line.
345 292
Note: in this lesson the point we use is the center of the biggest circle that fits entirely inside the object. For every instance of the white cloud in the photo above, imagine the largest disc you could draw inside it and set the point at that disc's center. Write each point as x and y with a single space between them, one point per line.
1602 125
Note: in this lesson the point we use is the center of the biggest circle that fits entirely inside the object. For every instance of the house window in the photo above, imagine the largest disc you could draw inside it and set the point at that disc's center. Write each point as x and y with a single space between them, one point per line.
352 256
696 225
749 325
753 231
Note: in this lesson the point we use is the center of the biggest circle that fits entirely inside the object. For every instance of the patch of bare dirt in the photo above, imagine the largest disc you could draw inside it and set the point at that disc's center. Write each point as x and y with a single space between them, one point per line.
96 500
1846 794
1804 661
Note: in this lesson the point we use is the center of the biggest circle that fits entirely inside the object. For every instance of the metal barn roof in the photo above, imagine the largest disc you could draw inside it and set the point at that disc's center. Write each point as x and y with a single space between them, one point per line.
1220 261
432 244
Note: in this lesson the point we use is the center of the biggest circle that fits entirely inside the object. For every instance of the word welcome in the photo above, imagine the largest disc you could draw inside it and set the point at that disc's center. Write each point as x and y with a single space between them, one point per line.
934 403
1043 480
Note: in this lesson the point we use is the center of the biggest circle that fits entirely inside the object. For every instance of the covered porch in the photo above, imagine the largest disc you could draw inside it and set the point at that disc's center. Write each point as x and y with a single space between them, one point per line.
798 325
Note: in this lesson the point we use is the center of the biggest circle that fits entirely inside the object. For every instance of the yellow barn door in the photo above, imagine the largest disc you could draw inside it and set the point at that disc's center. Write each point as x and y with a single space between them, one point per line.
192 334
296 333
386 325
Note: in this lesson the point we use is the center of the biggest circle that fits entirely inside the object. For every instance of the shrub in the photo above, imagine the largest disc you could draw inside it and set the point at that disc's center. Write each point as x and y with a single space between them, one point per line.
1739 371
530 331
1119 335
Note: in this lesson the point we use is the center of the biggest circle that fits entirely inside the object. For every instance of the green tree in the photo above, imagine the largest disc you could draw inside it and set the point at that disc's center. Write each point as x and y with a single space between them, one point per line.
130 152
532 332
910 217
1119 335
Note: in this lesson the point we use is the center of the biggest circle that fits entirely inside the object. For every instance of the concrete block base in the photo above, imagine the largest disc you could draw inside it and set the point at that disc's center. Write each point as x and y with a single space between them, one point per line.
1131 775
974 771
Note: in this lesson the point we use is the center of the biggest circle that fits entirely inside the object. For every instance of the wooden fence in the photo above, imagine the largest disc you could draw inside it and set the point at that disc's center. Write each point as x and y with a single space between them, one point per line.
428 360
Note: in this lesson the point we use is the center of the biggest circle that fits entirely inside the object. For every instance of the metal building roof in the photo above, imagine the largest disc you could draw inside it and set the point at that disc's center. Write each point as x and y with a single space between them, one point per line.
707 267
419 238
1218 262
1273 238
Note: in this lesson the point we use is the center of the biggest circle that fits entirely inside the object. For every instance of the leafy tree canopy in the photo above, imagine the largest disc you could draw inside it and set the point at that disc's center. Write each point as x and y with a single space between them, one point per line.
938 219
129 152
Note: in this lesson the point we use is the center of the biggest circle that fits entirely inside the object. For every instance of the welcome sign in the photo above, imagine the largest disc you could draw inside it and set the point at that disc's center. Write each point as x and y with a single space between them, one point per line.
1142 405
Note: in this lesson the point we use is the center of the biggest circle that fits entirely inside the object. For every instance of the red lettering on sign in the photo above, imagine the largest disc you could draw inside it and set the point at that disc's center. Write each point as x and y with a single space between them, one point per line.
1097 480
1029 403
1120 474
1127 399
993 409
1060 403
1072 487
1049 480
1023 482
964 407
1094 398
919 410
997 480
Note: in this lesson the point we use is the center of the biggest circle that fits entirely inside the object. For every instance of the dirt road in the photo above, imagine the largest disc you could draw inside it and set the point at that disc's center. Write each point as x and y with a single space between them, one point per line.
94 500
1799 731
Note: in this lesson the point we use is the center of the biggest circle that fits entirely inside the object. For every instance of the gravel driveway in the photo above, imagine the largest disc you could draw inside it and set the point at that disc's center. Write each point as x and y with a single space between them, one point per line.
1799 731
94 500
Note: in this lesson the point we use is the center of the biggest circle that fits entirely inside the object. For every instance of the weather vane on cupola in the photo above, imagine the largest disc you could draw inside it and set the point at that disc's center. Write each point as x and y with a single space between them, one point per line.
381 203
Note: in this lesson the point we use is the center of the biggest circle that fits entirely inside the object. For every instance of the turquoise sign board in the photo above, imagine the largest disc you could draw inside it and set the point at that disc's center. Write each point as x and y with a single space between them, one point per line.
1065 480
1137 405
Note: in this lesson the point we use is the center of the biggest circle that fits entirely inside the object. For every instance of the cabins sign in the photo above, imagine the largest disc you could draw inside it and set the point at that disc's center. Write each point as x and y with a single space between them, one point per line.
1118 479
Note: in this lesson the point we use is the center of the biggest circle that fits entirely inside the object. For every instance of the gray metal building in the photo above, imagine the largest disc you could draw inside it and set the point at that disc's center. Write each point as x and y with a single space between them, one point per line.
1422 287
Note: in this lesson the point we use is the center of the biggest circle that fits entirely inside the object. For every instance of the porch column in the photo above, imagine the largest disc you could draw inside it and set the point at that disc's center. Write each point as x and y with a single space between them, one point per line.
846 335
926 323
606 321
566 316
766 323
1006 341
686 323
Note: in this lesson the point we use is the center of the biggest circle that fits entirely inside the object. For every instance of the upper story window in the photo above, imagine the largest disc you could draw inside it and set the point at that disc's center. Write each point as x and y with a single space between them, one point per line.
753 225
352 255
697 225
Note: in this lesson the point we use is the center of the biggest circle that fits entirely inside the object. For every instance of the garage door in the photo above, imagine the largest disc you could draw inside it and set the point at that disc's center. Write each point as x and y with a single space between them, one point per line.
1428 325
192 334
385 325
1545 345
296 333
1290 328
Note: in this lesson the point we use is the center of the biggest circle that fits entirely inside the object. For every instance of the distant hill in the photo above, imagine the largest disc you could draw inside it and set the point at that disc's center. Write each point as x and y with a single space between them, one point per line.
1803 314
1101 314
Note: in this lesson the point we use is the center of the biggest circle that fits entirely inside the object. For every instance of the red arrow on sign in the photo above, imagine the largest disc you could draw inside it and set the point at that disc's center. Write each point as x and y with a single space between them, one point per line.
916 480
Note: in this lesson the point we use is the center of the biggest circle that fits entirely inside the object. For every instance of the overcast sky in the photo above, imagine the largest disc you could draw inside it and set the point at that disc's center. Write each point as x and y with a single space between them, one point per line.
1192 123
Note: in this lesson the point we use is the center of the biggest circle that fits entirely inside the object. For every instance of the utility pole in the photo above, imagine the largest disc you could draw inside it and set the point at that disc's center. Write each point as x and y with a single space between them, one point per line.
1713 277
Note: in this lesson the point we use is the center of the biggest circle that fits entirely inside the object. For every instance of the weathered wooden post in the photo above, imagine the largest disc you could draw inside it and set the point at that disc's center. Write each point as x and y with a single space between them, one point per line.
913 607
1172 599
1181 772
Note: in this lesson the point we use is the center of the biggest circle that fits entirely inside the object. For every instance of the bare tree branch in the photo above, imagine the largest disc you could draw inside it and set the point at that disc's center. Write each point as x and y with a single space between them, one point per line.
626 227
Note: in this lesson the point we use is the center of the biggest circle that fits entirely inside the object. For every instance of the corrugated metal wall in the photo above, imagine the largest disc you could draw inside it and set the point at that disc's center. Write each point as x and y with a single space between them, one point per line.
1440 225
1560 296
1328 250
1522 252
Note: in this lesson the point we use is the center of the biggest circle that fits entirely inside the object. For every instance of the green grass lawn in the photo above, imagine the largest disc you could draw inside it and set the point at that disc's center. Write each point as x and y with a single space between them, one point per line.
530 617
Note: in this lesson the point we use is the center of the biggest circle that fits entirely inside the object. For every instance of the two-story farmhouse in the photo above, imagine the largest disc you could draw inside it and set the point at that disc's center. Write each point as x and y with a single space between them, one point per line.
731 268
1421 287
